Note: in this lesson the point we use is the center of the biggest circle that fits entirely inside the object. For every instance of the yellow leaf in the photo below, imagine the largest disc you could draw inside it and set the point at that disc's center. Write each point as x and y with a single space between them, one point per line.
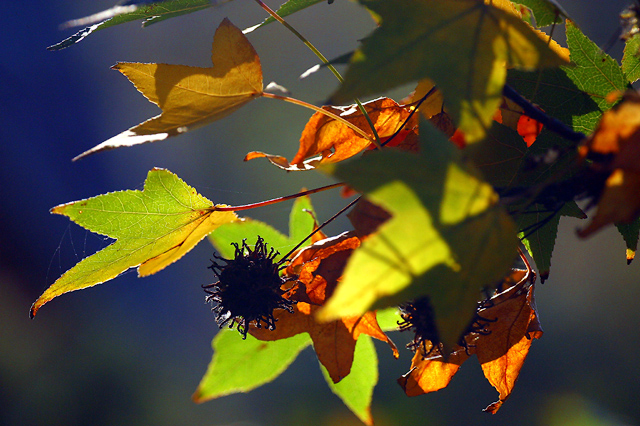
192 97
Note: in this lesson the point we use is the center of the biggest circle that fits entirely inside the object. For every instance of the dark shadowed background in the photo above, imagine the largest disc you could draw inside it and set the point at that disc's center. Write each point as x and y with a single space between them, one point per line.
132 351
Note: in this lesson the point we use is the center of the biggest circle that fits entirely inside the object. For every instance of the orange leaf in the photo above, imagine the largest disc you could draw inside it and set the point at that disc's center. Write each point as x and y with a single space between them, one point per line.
430 374
502 352
318 268
501 347
326 140
615 147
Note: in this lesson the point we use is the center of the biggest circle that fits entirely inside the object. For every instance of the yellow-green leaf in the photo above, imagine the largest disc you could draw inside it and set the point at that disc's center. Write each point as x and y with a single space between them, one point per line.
242 365
191 97
153 227
463 45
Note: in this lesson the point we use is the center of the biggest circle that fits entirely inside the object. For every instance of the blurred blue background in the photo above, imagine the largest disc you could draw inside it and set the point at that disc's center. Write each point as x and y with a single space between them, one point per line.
132 352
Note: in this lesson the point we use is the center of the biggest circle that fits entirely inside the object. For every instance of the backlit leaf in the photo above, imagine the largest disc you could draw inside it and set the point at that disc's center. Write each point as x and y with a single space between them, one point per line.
242 365
153 227
149 12
631 60
617 136
288 8
318 268
356 390
501 349
326 140
192 97
447 237
576 94
437 39
546 12
301 223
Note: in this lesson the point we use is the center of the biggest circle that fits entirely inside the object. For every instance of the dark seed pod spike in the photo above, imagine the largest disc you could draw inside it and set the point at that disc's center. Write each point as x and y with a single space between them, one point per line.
418 316
249 288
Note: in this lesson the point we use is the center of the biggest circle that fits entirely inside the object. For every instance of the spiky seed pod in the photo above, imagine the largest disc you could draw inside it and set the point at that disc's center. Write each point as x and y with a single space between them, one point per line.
249 288
418 316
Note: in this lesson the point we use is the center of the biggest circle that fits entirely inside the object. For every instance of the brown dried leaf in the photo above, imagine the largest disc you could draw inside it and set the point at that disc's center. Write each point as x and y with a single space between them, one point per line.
318 268
501 352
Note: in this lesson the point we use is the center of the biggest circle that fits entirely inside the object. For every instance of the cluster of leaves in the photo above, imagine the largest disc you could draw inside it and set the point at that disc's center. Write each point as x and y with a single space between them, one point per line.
489 150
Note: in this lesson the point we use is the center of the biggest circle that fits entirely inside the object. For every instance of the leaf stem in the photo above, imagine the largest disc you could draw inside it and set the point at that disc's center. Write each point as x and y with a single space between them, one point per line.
325 223
329 65
321 111
275 200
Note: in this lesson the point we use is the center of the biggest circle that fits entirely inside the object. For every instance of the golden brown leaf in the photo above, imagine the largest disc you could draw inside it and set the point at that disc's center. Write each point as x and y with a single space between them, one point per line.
318 268
191 97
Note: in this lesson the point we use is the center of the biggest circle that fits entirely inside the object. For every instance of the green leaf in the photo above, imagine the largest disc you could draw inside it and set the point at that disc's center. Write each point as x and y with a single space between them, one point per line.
388 318
242 365
153 227
546 12
356 390
504 158
447 238
574 94
248 229
301 223
538 230
150 13
288 8
631 60
630 232
463 45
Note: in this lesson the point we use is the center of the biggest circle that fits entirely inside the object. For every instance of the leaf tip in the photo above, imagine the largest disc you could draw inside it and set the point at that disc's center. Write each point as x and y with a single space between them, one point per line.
631 254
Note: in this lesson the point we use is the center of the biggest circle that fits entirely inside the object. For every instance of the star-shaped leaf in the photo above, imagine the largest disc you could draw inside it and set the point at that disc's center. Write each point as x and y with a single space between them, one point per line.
191 97
153 227
468 39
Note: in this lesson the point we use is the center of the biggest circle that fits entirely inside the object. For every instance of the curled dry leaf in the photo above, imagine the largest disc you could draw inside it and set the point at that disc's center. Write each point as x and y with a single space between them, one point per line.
615 147
501 351
318 269
326 140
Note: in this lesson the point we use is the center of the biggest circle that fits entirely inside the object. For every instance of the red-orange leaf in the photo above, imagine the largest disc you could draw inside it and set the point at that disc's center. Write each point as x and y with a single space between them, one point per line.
318 268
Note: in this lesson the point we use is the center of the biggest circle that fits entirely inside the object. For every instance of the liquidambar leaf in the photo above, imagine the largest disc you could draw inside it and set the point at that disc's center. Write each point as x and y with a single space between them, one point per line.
546 12
356 390
501 348
631 60
301 224
288 8
153 227
191 97
447 237
318 269
242 365
617 136
149 12
326 140
463 45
